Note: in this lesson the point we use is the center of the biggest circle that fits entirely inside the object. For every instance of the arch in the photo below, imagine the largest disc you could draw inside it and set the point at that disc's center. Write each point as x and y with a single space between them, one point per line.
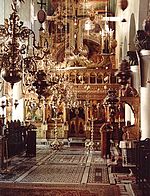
99 78
77 78
72 77
106 77
66 76
86 78
92 78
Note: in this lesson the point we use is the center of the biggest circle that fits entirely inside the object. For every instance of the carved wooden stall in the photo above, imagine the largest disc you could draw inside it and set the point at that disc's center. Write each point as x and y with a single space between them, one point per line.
16 138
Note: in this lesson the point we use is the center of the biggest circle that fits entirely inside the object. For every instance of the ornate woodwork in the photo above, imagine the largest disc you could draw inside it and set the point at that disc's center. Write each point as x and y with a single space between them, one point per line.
91 83
93 72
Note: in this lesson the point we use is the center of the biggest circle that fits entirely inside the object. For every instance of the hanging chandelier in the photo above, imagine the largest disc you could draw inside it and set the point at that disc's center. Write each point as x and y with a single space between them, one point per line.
18 52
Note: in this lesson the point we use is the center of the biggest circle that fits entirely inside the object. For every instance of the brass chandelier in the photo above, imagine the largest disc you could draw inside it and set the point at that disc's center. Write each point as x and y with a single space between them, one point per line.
18 53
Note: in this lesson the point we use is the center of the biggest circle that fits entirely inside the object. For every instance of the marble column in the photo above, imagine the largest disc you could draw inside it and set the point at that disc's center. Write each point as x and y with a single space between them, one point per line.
136 77
144 67
145 112
145 93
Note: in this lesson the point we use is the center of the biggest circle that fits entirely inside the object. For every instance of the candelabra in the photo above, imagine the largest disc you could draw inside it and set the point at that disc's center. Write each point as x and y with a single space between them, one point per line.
2 118
62 92
56 144
56 99
90 145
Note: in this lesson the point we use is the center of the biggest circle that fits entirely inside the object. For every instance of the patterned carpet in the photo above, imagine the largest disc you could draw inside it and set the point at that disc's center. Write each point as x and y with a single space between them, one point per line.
98 174
22 164
15 173
65 166
68 172
56 173
68 166
67 159
96 159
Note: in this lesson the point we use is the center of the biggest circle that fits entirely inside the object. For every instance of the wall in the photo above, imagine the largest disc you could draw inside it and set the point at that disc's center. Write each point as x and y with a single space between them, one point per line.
144 11
25 11
126 31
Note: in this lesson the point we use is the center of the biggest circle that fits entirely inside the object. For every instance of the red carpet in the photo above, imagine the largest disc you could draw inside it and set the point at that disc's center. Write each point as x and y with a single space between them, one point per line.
24 189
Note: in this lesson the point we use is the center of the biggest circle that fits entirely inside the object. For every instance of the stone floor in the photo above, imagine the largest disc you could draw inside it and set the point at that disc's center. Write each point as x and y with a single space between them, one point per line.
70 166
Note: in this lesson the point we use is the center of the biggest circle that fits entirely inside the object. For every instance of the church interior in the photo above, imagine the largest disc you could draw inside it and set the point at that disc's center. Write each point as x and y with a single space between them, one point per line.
74 97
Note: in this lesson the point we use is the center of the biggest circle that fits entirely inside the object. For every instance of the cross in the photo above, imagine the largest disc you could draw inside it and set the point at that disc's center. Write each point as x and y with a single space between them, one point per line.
41 3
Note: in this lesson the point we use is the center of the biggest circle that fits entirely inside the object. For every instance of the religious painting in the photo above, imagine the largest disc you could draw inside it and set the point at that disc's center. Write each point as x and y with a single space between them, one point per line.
33 112
77 122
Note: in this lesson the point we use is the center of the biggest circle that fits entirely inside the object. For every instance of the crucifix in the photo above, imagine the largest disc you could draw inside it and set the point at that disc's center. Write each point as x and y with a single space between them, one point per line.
41 3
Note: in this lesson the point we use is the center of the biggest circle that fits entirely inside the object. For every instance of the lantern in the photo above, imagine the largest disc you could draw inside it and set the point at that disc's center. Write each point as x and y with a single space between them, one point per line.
123 4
